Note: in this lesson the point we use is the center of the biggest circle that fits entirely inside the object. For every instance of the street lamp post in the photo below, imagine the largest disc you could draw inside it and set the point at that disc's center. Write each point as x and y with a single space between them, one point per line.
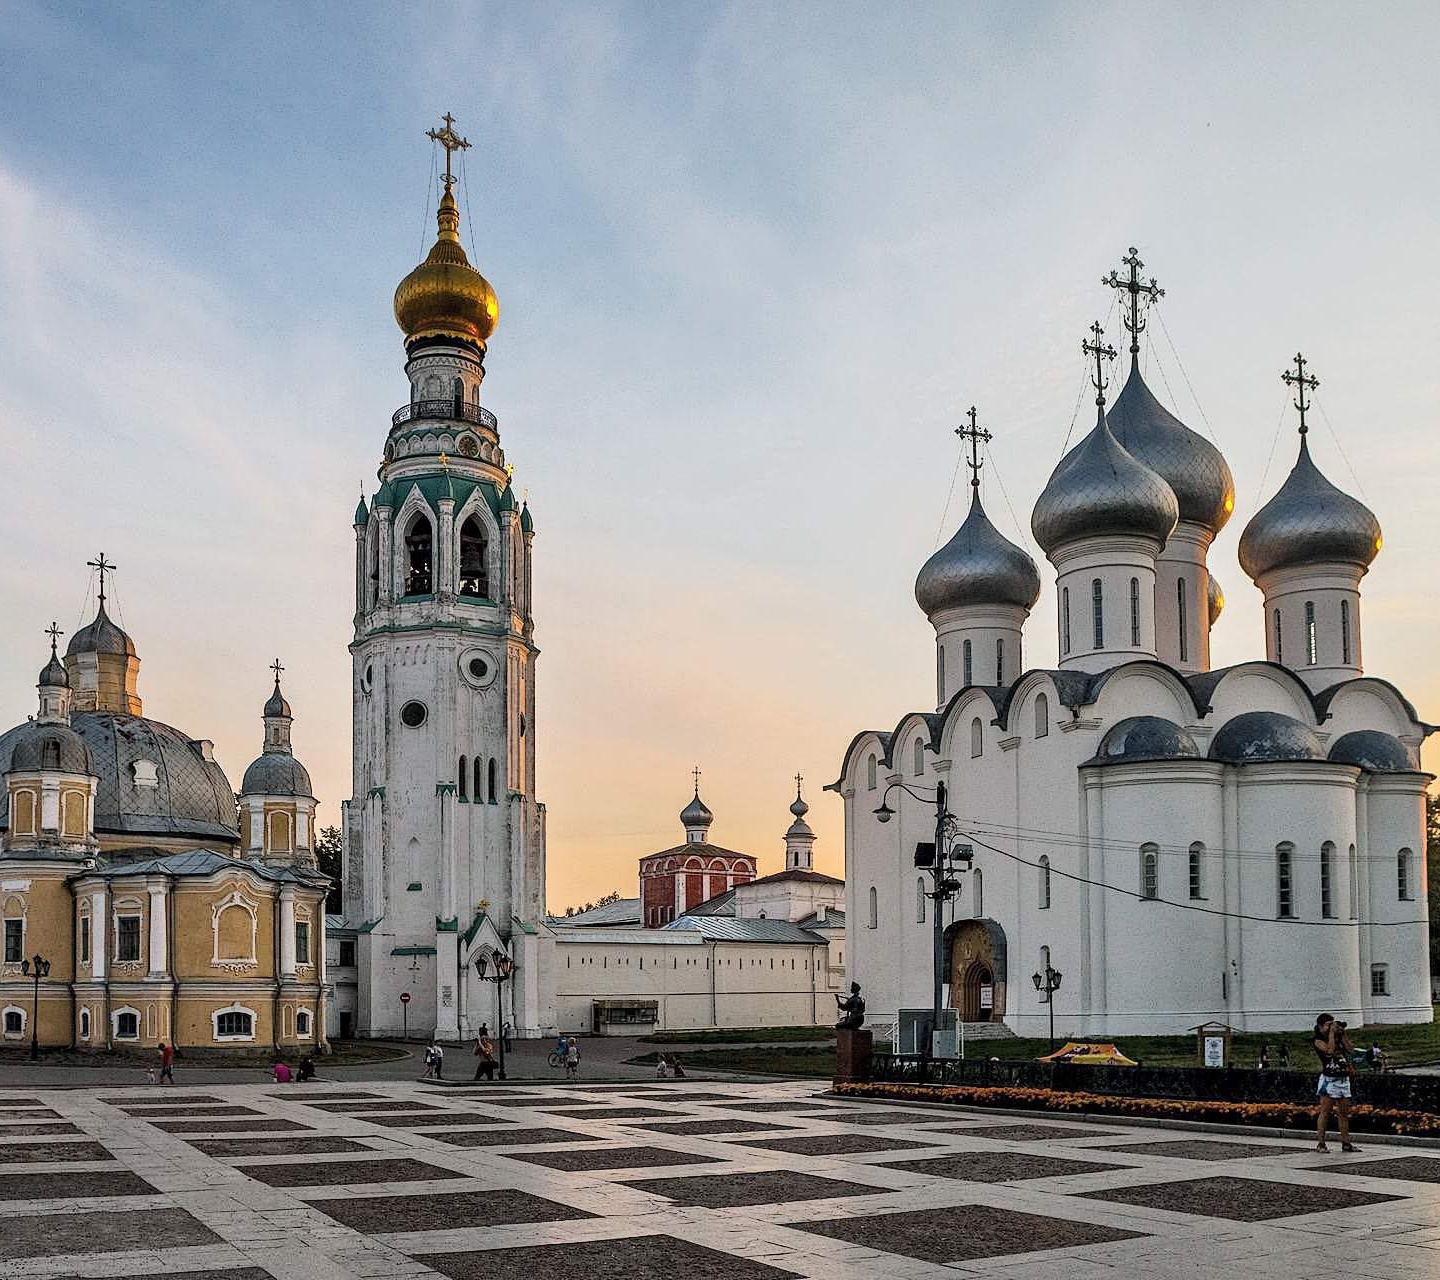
38 967
504 967
1048 984
939 861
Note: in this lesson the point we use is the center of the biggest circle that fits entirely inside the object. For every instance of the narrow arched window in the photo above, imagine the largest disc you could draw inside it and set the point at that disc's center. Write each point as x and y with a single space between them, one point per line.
1353 870
457 393
1134 613
874 908
1312 655
1065 619
967 664
419 577
1180 618
1345 632
870 774
1197 870
463 771
490 780
477 790
1149 871
474 566
1285 881
920 900
1000 662
475 395
1279 643
1044 882
1042 716
977 887
1404 882
1097 611
977 737
919 756
1327 881
940 673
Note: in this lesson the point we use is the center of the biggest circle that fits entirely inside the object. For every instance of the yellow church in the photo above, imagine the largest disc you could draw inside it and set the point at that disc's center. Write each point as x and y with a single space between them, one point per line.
155 903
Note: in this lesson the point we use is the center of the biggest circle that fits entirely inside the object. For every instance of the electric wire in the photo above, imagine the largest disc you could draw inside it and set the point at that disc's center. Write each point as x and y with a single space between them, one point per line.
1274 443
1335 436
425 214
465 184
1159 315
949 497
1020 529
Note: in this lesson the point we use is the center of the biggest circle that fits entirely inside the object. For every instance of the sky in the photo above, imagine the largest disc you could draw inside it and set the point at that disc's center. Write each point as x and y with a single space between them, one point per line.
754 262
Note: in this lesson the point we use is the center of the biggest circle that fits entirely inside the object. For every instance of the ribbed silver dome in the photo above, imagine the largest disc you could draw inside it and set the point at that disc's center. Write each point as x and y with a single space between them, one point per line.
276 705
53 675
696 814
101 636
1139 738
978 565
1098 488
54 747
276 774
1193 467
1373 750
1309 521
1255 737
1214 599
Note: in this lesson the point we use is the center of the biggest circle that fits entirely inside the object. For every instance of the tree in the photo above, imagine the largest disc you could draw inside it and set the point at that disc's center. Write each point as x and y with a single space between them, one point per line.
327 855
1432 874
612 896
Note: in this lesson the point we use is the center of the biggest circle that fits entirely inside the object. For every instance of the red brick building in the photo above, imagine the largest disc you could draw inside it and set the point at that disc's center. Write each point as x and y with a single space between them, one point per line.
675 880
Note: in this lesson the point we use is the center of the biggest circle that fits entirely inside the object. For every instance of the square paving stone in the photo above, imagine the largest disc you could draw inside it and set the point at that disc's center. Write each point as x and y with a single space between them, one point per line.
439 1211
1411 1168
587 1159
509 1137
728 1191
1034 1132
304 1093
222 1125
104 1232
230 1273
762 1107
339 1173
698 1128
999 1166
26 1113
676 1095
20 1102
632 1258
35 1152
1200 1149
606 1113
72 1185
876 1117
954 1233
38 1130
200 1109
429 1118
164 1096
274 1146
833 1144
1239 1199
344 1107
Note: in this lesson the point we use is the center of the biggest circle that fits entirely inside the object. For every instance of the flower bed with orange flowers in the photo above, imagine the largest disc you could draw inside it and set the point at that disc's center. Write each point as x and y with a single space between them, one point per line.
1281 1115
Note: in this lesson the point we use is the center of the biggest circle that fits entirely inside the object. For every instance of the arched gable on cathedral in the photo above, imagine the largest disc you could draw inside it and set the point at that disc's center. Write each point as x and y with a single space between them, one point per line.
1257 686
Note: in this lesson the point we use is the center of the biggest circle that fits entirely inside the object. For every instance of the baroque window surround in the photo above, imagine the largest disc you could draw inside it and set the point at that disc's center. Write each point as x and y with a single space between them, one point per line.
235 964
115 1016
215 1016
8 1016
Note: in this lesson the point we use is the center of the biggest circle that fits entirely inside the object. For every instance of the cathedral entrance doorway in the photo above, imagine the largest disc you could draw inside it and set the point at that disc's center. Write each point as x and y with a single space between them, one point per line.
975 964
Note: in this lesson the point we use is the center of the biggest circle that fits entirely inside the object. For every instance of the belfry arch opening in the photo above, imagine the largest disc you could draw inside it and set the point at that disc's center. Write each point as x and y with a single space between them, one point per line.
419 556
474 574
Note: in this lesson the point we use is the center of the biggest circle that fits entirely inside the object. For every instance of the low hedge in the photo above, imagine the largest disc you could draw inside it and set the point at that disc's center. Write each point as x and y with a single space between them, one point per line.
1284 1115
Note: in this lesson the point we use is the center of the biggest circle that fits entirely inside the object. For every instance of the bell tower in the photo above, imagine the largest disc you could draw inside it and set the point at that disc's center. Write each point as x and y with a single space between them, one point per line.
444 840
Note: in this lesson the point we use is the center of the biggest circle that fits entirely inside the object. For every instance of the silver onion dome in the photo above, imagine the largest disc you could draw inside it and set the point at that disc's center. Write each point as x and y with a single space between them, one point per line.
1309 521
696 813
54 747
1098 488
978 565
53 675
276 705
101 636
276 774
1193 467
1214 599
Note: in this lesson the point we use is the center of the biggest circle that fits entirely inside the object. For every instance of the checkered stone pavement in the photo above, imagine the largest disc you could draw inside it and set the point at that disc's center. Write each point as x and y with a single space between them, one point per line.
734 1181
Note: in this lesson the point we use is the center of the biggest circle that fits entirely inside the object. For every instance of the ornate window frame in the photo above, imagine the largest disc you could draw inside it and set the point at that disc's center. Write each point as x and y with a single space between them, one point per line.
34 825
304 915
5 1018
309 1032
85 1022
234 964
237 1007
126 907
115 1022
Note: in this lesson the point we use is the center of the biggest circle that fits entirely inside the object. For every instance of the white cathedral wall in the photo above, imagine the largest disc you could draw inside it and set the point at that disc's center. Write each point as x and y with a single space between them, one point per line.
1397 931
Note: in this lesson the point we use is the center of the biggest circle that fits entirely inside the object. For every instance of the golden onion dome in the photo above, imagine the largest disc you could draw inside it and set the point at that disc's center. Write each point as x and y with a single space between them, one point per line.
445 296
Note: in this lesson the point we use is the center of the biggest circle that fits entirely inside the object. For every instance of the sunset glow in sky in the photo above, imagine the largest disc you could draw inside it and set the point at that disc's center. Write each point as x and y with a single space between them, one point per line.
753 262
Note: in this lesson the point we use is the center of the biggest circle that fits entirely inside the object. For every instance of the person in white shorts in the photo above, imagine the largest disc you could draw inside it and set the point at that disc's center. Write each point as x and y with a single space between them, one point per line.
1333 1048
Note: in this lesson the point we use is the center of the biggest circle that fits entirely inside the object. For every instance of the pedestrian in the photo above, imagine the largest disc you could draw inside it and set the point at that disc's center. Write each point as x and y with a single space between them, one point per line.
662 1068
1333 1048
167 1063
676 1069
280 1071
1264 1063
429 1063
1284 1056
505 1039
306 1070
484 1055
572 1058
439 1050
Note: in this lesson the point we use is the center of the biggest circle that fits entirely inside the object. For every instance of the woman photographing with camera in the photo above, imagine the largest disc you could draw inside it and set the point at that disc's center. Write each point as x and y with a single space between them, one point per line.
1333 1047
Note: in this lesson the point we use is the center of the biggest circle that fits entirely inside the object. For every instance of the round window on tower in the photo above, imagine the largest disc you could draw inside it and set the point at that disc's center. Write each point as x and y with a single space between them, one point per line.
468 447
478 668
367 678
413 714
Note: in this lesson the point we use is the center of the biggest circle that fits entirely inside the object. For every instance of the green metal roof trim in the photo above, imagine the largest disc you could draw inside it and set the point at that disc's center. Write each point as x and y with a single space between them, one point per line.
469 935
369 925
446 926
432 488
522 926
412 951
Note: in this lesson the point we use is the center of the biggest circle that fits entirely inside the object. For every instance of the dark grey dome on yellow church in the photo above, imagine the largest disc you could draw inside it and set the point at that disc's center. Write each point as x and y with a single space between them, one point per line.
49 746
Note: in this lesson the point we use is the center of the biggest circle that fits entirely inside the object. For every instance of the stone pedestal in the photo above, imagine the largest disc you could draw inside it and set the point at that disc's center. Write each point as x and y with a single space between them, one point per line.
852 1055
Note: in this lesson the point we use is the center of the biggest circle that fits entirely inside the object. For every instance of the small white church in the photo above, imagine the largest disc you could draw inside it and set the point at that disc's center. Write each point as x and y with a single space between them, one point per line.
1182 843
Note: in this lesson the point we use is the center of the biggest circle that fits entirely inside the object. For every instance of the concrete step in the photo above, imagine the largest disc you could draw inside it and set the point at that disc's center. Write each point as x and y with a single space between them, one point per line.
987 1031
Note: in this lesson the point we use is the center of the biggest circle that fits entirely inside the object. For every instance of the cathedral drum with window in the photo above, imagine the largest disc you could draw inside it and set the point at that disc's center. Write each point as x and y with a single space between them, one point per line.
1242 844
122 867
444 837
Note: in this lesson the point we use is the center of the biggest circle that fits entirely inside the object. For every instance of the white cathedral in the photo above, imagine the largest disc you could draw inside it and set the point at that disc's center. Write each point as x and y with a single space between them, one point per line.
1183 844
444 839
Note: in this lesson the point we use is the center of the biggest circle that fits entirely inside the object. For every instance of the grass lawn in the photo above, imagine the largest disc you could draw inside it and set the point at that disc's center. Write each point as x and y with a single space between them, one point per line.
1407 1045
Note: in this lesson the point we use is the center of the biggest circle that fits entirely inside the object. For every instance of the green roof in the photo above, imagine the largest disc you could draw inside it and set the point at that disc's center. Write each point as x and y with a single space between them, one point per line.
412 951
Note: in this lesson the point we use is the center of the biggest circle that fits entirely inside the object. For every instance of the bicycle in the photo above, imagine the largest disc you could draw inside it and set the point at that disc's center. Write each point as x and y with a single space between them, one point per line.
555 1059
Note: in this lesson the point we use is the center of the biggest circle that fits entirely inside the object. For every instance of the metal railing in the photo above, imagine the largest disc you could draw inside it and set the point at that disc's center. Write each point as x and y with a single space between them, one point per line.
452 410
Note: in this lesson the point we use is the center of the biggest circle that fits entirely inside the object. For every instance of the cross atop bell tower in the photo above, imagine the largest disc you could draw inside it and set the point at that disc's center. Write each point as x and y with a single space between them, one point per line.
1303 382
977 436
1137 289
1102 351
102 566
451 141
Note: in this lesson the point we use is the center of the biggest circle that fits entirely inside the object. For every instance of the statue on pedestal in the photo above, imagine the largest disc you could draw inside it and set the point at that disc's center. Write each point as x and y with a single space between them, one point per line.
852 1007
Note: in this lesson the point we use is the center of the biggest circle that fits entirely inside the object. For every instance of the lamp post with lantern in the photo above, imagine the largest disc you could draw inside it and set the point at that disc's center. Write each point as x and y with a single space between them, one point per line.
1048 984
37 967
504 967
